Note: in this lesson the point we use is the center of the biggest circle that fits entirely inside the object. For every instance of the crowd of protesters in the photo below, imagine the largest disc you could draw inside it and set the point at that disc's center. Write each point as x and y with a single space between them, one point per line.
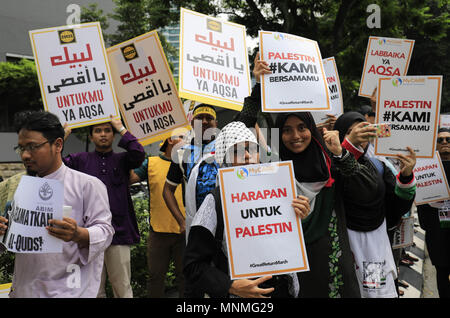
349 201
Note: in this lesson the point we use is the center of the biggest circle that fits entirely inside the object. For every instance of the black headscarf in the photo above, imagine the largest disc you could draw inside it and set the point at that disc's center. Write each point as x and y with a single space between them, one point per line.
345 121
309 165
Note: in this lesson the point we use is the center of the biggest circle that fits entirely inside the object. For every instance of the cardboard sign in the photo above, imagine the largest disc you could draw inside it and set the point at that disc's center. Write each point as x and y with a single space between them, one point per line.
444 121
145 88
264 235
213 61
298 80
444 212
334 88
411 105
74 75
36 201
404 235
384 57
431 180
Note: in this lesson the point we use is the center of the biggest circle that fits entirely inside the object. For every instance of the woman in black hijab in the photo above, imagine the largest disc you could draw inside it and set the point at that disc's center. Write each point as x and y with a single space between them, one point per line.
367 222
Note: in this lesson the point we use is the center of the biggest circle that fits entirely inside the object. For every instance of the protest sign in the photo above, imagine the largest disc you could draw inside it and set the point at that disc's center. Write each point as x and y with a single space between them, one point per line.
264 235
145 88
74 75
444 121
213 61
36 201
334 88
431 180
298 80
384 57
404 234
444 212
411 105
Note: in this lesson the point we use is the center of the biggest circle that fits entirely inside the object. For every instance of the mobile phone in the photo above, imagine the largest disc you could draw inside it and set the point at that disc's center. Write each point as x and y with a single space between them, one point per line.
383 130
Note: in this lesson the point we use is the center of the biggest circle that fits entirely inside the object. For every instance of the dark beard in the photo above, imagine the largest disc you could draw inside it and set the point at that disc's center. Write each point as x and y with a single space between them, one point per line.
31 173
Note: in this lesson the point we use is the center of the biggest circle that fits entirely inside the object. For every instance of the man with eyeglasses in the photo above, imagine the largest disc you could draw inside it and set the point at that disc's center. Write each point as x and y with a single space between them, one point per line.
86 233
434 219
113 169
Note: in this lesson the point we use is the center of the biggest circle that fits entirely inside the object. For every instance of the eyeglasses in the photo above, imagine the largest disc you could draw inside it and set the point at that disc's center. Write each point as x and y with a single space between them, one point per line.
441 139
30 148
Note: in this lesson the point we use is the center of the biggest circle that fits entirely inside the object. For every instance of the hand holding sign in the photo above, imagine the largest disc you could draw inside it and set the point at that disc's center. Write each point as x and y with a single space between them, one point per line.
68 230
407 162
3 226
261 67
301 206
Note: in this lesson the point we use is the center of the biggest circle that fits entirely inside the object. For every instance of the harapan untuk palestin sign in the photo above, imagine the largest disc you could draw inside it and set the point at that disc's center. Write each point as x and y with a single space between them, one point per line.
432 184
74 75
263 234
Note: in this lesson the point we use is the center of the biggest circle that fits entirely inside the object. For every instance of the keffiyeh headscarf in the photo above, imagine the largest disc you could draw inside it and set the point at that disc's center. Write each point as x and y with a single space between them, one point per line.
230 135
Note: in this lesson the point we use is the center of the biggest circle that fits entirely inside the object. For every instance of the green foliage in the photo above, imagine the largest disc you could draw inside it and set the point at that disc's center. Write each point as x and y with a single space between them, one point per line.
19 90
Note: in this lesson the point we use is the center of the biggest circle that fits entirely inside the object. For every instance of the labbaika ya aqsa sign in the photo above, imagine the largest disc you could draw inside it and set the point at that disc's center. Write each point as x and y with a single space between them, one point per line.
74 75
264 235
384 57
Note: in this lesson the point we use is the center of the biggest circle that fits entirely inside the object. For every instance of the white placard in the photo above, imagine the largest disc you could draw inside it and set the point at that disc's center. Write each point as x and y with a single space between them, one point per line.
213 61
431 180
36 201
298 80
404 234
74 75
384 57
334 89
444 121
264 235
411 105
145 88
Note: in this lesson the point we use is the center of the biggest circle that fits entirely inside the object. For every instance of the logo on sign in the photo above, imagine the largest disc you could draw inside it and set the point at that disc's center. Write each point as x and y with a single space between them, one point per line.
66 36
242 173
129 52
45 192
397 82
213 25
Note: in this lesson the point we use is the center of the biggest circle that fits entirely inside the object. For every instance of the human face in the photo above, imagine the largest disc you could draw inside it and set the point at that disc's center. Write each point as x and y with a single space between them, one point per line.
44 158
443 147
244 153
295 135
102 137
207 121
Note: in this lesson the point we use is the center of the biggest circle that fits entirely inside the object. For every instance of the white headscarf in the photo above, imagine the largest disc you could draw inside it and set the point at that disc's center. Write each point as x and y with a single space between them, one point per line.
232 134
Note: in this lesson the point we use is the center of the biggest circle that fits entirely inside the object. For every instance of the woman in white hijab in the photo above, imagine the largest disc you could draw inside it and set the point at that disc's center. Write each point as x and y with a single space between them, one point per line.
205 261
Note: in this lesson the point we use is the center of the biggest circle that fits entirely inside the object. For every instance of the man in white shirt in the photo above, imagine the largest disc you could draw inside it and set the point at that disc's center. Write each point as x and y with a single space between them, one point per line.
76 272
